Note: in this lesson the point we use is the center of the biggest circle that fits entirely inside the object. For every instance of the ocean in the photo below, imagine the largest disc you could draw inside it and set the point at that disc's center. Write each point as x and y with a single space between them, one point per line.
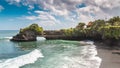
46 53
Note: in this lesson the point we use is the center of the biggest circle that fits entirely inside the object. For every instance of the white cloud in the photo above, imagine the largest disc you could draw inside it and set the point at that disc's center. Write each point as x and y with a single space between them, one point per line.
31 17
93 9
1 8
90 13
17 1
11 1
43 18
60 7
108 3
30 7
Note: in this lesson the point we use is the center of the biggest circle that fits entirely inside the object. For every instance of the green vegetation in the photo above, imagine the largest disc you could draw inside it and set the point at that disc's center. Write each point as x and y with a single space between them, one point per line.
109 29
34 27
110 32
98 29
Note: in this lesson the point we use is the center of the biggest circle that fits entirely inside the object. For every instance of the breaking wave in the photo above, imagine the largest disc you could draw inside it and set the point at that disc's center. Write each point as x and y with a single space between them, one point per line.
21 60
83 57
8 38
41 38
62 54
88 58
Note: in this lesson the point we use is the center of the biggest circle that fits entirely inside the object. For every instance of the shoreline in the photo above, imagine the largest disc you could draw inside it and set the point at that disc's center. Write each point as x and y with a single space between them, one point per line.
110 55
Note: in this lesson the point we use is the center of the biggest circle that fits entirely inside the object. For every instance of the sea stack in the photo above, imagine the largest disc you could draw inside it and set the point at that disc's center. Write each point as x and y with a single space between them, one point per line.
29 33
25 36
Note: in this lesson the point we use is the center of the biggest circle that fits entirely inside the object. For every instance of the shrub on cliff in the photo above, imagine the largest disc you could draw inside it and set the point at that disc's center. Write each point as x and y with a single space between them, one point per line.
68 32
79 30
34 27
109 29
110 32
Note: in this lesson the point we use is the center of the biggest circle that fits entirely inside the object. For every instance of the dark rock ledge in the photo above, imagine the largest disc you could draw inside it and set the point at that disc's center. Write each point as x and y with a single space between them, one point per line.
25 36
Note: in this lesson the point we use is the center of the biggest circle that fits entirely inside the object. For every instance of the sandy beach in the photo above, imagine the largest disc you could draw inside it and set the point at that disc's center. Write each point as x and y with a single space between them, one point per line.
110 55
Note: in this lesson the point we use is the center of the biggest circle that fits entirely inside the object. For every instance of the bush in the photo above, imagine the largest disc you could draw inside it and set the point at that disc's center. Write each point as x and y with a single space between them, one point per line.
34 27
110 32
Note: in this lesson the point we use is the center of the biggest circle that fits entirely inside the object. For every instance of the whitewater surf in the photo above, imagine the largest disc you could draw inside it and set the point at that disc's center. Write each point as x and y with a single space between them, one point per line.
21 60
47 53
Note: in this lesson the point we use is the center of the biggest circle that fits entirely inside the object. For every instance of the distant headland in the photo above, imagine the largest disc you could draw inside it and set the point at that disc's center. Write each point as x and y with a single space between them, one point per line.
108 30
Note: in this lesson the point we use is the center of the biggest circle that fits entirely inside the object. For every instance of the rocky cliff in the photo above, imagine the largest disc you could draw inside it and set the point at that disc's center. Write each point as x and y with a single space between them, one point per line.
28 35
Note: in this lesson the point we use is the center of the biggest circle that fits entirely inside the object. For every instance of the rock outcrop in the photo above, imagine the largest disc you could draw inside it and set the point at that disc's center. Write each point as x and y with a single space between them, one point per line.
28 35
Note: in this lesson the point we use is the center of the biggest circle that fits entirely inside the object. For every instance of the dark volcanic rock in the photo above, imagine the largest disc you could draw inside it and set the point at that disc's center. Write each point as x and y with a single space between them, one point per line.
25 36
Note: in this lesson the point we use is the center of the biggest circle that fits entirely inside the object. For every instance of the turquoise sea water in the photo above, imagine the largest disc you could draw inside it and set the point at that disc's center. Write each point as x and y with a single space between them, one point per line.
46 53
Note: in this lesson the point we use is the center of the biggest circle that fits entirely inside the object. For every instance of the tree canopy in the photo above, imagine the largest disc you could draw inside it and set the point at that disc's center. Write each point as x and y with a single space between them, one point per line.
106 29
33 27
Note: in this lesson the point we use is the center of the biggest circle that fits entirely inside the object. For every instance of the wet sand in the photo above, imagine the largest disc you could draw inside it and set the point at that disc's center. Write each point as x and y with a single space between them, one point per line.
110 55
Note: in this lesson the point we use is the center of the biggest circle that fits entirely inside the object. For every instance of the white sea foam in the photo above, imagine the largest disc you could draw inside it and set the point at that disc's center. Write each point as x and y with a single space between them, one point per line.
41 38
88 58
87 42
5 38
8 38
21 60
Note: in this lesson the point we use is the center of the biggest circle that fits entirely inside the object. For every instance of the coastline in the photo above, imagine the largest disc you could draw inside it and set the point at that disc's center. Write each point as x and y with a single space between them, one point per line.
110 55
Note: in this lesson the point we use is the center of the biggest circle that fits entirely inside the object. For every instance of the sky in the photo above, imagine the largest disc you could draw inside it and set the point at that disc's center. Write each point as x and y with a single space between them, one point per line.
54 14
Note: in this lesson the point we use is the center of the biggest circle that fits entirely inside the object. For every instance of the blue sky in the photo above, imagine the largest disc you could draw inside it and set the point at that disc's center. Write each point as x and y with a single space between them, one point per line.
54 14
